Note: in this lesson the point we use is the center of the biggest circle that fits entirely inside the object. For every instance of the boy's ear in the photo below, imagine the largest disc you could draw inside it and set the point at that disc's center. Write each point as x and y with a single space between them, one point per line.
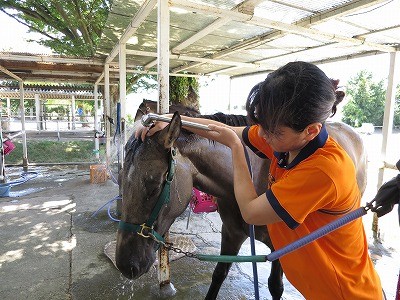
313 130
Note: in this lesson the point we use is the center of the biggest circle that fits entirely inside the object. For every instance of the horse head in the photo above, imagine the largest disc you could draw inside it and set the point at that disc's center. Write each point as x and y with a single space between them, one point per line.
148 181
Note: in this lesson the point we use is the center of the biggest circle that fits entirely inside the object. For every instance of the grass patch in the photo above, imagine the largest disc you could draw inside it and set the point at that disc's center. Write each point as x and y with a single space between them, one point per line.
55 152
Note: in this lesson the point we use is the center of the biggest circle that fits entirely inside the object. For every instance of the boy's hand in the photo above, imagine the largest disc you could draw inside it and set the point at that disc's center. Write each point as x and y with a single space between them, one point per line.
143 131
224 135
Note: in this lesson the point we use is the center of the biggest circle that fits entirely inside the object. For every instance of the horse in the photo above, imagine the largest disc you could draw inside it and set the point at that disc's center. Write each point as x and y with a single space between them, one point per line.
150 106
194 162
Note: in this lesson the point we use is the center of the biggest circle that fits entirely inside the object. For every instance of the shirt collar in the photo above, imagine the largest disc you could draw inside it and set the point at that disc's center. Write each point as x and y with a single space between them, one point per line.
318 142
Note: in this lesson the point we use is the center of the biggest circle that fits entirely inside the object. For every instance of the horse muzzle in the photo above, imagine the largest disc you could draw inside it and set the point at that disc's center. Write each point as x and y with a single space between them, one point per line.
134 255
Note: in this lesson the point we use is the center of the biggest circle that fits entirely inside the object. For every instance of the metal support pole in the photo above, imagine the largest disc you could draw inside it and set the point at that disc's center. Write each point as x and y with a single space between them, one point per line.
22 110
8 109
122 99
58 130
163 23
73 112
163 56
387 128
38 112
96 125
107 113
2 163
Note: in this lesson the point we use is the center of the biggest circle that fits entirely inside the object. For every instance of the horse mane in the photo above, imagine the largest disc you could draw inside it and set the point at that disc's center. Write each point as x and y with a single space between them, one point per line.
151 106
228 119
184 110
132 145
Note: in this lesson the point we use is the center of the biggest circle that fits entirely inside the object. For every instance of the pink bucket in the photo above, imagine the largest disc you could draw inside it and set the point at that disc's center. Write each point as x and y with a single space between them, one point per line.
8 146
202 202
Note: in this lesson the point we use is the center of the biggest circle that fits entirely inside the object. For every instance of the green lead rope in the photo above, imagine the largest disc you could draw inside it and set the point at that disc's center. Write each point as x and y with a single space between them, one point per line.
324 230
231 258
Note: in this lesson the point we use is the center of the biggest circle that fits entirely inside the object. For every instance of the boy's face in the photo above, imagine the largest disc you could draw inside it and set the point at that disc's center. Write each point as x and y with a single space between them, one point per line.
285 139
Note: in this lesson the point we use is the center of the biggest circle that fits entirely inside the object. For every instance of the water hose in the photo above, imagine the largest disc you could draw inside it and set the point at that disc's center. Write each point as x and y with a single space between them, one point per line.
292 246
398 288
25 176
252 235
108 204
5 187
148 120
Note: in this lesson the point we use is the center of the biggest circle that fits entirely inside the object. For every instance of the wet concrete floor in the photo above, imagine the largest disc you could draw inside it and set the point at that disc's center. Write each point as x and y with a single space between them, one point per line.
53 247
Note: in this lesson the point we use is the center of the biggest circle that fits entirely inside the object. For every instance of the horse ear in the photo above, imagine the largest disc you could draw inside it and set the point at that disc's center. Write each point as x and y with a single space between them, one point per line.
141 111
170 133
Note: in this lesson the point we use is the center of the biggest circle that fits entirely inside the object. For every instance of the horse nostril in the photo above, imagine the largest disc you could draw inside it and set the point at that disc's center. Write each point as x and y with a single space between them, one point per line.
130 271
134 271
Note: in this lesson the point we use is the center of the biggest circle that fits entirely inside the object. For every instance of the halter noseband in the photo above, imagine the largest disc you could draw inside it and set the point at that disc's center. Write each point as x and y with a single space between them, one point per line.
146 229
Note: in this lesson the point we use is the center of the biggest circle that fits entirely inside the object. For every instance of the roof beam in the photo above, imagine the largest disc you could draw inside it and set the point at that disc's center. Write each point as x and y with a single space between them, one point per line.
199 35
333 13
291 28
246 6
156 73
51 59
338 12
137 20
11 74
307 22
192 58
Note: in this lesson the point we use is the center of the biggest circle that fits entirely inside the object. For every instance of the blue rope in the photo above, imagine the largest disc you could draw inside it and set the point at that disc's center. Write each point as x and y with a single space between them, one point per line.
108 203
25 176
252 237
255 272
292 246
317 234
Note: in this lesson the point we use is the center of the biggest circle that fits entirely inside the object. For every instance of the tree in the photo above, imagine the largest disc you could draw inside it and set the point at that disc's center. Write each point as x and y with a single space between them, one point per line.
184 91
74 28
396 120
367 101
68 27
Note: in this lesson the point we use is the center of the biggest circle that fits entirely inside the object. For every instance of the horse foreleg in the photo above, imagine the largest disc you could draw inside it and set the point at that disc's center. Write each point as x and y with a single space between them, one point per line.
230 245
275 283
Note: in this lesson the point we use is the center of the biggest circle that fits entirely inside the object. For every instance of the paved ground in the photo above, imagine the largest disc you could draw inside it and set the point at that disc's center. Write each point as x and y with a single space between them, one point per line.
52 248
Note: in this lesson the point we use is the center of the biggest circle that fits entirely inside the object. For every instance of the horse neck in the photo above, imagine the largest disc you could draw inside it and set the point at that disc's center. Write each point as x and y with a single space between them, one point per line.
210 164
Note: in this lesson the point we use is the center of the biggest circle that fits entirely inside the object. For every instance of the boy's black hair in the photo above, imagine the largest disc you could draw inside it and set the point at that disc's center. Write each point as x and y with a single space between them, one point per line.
295 95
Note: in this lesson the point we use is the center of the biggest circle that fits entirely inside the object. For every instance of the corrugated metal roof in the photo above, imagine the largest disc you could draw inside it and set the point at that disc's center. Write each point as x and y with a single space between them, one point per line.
226 37
48 91
241 37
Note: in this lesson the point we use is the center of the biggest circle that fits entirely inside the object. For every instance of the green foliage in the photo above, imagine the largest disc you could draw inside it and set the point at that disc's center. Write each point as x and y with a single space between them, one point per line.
54 152
136 82
60 106
87 106
69 27
74 28
366 101
184 90
396 120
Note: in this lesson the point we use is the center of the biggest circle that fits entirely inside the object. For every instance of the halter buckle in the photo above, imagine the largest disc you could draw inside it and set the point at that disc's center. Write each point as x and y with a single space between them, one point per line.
144 227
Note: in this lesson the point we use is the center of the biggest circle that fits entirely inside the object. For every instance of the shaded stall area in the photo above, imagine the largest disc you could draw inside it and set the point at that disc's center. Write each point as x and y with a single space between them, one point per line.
52 245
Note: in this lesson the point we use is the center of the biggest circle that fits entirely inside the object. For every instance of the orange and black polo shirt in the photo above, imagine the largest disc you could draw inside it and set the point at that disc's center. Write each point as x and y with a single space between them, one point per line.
316 188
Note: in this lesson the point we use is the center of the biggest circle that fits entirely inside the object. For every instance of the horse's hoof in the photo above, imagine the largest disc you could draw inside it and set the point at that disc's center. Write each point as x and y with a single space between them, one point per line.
167 290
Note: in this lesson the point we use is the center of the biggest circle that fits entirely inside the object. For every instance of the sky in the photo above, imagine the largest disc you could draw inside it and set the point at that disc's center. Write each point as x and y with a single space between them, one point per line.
14 36
215 92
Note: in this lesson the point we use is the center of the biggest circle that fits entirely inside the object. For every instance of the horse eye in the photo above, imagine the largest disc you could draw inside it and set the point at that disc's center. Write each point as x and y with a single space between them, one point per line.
152 190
